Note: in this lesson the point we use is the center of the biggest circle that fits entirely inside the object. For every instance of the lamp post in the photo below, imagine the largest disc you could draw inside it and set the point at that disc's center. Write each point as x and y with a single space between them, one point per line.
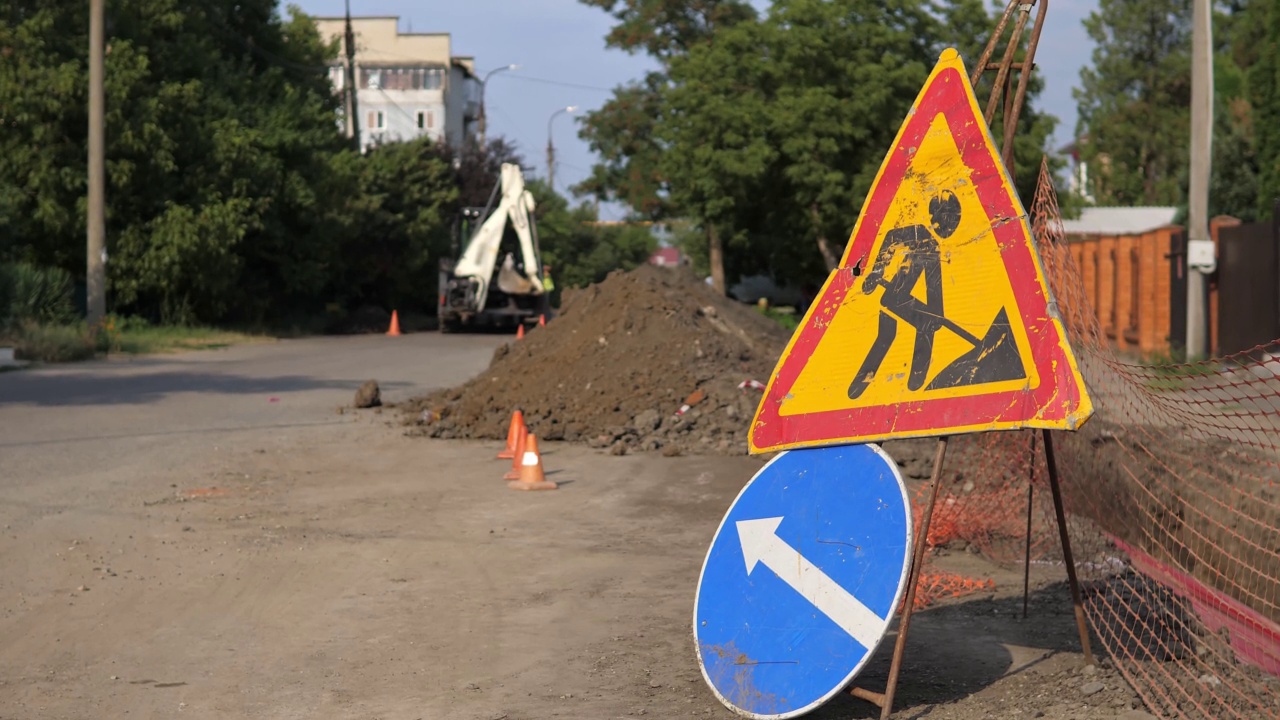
551 148
483 84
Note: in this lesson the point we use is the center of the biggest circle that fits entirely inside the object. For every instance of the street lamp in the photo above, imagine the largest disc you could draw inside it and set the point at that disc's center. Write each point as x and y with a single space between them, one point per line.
551 149
483 84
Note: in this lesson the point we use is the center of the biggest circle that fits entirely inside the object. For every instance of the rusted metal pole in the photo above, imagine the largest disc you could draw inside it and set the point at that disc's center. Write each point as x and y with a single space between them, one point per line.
1067 558
917 562
1024 77
870 696
1003 73
1002 88
985 60
1026 564
1006 152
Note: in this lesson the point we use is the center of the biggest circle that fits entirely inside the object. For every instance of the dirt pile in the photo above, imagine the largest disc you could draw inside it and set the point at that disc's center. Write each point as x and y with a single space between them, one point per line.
615 368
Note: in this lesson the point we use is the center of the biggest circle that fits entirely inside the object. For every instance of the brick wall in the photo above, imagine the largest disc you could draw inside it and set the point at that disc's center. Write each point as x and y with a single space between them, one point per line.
1126 281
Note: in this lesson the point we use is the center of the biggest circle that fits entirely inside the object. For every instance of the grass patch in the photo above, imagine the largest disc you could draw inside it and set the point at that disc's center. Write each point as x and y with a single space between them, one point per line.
52 343
69 342
1171 372
136 337
784 316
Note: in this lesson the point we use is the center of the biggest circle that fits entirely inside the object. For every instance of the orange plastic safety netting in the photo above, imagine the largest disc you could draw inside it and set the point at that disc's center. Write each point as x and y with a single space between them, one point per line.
1173 505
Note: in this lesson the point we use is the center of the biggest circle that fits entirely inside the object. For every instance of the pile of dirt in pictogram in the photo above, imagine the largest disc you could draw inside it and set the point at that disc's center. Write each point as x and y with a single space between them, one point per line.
616 366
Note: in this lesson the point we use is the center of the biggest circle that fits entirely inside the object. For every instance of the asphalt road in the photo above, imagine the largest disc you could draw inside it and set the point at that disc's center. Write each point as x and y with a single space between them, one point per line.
276 384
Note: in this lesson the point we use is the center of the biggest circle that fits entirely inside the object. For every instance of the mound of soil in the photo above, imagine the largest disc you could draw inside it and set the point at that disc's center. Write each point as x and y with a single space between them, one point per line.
615 368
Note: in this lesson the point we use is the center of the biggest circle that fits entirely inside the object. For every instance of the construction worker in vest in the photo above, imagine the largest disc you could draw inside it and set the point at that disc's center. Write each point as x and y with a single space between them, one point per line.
548 287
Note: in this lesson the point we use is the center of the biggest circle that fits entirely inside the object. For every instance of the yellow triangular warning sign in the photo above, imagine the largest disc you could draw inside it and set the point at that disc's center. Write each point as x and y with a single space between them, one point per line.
937 320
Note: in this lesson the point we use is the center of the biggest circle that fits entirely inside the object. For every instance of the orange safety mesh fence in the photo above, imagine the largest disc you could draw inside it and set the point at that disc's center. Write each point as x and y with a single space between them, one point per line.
1173 505
948 524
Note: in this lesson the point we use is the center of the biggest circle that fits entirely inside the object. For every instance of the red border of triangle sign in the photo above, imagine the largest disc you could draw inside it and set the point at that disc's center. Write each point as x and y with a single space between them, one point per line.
1057 399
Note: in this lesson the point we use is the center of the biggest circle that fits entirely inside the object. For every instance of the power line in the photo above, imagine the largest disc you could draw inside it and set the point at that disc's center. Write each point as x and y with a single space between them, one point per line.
578 86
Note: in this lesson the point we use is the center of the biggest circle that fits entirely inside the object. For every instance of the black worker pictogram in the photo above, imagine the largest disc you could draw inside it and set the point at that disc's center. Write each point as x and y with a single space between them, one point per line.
994 356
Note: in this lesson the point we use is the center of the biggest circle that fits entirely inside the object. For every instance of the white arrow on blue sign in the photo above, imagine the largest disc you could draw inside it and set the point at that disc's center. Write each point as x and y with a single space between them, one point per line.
802 579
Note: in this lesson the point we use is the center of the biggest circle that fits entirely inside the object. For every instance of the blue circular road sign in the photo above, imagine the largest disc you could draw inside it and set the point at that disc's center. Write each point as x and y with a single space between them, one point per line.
802 579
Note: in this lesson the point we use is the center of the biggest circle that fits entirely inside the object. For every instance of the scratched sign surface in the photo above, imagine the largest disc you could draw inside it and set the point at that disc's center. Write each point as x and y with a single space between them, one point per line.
938 320
802 578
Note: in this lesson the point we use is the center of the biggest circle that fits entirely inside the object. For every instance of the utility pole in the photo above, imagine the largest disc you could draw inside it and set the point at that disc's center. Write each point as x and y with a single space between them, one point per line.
1200 255
551 148
96 275
349 97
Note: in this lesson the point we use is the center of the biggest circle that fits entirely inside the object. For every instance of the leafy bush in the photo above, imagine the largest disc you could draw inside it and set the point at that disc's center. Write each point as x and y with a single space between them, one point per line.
788 320
52 343
31 294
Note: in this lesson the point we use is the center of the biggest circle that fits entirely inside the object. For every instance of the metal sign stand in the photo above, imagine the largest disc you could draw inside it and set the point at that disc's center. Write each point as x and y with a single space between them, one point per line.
1013 101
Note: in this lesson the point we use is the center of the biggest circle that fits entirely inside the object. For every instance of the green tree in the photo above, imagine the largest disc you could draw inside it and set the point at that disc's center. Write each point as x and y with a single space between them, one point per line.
479 169
1264 95
625 132
220 134
1134 101
579 248
666 29
1134 104
718 147
401 214
846 73
767 133
622 135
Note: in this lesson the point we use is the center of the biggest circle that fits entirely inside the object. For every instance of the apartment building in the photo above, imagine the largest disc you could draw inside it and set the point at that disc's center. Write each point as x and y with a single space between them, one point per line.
408 84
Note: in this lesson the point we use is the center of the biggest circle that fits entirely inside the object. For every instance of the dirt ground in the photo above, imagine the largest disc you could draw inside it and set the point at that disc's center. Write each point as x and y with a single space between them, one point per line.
347 571
616 365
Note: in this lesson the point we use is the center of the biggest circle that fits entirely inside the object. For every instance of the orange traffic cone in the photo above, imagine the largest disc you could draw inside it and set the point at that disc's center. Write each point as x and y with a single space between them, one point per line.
531 475
514 472
542 321
394 330
514 431
520 331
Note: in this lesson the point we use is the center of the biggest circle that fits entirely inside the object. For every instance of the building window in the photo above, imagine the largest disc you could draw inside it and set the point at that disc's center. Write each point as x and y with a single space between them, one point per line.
401 78
371 78
426 120
376 120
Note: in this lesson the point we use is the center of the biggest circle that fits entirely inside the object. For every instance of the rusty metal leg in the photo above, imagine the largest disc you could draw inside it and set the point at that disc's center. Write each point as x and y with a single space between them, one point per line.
917 561
1024 77
1058 510
1026 563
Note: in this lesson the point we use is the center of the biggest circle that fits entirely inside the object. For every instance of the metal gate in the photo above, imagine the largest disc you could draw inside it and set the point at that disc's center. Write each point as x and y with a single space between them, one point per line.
1248 286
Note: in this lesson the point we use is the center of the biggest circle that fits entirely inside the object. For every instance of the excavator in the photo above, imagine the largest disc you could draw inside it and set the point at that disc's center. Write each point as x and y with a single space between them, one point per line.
475 289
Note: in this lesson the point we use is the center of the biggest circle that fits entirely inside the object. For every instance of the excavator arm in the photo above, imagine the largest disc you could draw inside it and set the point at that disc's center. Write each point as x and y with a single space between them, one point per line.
480 258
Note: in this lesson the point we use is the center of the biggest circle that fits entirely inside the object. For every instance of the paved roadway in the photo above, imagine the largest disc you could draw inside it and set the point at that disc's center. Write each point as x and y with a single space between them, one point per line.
279 384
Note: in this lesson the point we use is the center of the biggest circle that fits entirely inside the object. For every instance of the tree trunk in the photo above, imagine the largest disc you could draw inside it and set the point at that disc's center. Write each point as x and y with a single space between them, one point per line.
829 255
716 258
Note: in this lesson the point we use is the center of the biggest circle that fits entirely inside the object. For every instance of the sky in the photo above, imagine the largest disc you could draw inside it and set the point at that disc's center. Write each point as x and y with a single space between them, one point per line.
559 46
